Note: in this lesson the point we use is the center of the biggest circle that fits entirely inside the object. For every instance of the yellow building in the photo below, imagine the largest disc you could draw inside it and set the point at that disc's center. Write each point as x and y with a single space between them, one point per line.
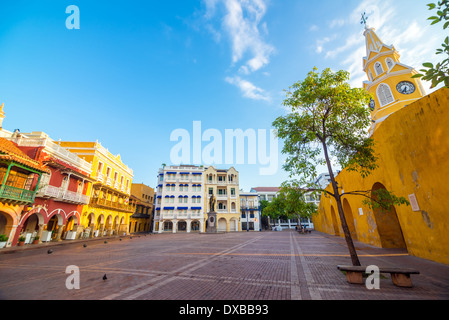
412 142
109 210
224 185
142 197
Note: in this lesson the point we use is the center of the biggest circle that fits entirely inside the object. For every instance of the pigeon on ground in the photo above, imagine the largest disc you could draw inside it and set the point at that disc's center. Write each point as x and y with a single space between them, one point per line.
104 277
49 251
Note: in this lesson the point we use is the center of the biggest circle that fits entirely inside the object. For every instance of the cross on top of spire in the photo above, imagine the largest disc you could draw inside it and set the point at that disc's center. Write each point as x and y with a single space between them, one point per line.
364 19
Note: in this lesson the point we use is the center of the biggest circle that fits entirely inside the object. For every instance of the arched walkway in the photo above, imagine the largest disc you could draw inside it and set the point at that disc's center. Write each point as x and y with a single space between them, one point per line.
335 222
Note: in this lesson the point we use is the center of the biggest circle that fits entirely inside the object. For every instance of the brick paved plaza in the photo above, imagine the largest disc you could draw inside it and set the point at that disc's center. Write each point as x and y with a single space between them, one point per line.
232 266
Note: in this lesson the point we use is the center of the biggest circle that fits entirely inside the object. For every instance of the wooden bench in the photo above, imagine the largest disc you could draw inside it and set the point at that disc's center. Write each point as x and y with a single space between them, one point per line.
399 276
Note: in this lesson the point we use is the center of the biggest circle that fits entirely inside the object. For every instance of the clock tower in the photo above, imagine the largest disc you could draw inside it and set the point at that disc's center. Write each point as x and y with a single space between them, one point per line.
389 81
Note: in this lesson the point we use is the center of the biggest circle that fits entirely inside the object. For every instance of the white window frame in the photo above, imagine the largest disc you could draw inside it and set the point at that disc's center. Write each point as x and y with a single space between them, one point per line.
382 97
376 65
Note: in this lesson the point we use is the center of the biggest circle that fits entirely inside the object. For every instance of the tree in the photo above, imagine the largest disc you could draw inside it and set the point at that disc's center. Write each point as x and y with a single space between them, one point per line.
440 72
328 119
289 203
294 201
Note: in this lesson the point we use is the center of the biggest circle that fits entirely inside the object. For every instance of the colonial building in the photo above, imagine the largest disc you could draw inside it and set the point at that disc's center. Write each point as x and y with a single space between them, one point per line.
142 197
180 201
224 185
20 179
250 211
109 211
62 193
411 135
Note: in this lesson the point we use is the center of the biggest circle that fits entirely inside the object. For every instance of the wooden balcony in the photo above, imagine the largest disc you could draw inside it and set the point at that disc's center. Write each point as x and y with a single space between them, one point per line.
108 204
16 195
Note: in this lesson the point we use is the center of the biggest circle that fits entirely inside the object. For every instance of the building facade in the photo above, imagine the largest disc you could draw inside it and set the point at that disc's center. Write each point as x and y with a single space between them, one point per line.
109 210
251 219
412 143
180 204
224 185
142 197
20 178
62 193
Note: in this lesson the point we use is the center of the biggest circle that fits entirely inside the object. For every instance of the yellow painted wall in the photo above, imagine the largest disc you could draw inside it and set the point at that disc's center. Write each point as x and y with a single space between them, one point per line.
94 153
413 145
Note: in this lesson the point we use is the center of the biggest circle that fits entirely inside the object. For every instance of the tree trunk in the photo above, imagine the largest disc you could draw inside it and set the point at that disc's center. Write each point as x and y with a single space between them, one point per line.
348 238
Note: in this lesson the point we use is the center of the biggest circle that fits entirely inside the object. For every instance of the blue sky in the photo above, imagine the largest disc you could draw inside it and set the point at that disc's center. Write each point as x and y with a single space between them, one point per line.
135 71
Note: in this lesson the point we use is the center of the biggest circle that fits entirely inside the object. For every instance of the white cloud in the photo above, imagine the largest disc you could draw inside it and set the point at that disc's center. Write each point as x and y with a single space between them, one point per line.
350 42
337 23
242 21
248 89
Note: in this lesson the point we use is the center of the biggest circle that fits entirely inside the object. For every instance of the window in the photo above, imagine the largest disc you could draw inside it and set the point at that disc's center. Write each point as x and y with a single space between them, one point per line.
378 68
384 94
389 62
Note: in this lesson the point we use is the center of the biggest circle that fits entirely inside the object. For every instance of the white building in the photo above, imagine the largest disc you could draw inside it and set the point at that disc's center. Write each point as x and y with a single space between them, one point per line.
250 211
180 204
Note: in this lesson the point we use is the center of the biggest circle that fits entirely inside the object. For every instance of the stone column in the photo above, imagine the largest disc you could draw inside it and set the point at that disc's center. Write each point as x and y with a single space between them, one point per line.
39 232
58 235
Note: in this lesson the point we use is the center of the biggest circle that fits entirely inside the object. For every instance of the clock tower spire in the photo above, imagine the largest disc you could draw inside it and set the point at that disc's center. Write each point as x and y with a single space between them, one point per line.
389 81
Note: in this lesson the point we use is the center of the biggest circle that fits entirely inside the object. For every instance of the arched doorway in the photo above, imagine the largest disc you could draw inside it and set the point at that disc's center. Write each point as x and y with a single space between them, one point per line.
195 226
69 227
233 225
222 225
99 226
388 226
53 226
335 221
349 219
115 226
5 222
108 225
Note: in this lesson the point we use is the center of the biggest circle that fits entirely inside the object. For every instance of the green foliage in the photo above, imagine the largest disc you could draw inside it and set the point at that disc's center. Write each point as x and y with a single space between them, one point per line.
289 203
384 199
326 113
275 208
440 72
3 237
295 203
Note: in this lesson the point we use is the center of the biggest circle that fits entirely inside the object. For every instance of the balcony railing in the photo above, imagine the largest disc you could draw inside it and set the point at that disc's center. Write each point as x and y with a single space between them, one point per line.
17 194
112 204
55 149
61 195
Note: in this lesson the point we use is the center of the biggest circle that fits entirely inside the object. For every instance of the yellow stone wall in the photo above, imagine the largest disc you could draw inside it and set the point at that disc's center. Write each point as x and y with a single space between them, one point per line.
413 148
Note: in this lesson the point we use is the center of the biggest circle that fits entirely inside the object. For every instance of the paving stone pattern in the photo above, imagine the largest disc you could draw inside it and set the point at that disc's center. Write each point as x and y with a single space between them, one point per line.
231 266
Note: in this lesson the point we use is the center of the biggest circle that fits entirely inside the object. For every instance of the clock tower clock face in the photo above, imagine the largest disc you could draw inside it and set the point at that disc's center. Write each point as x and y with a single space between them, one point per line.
372 105
405 87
